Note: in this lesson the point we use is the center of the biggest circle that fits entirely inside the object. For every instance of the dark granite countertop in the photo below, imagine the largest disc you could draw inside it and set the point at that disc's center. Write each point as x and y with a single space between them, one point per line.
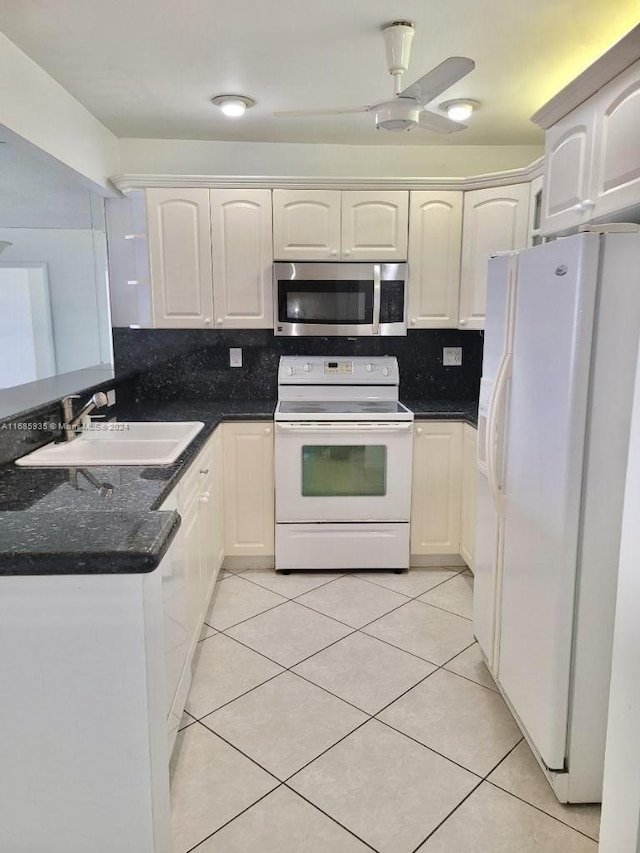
445 410
105 519
86 543
76 514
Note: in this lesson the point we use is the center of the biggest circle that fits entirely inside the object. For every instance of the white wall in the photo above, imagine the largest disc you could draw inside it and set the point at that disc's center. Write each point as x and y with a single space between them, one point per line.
35 108
195 157
75 310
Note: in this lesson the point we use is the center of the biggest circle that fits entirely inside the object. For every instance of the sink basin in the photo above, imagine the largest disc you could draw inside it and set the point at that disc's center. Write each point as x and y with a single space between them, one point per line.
121 443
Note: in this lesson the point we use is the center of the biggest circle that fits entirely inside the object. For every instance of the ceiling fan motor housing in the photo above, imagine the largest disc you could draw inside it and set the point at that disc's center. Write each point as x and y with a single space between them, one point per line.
399 114
397 40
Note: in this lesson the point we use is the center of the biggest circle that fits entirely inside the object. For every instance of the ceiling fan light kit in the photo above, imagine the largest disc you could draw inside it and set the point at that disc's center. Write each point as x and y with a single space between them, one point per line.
459 109
233 106
408 109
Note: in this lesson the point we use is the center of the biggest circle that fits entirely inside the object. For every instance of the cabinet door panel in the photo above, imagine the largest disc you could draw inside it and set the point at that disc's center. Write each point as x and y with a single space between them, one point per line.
468 497
248 489
616 170
374 225
436 488
495 220
180 257
435 235
242 258
306 225
567 174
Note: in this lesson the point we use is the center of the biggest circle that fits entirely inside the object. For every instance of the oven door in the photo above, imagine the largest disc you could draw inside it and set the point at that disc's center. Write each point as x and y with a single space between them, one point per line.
346 471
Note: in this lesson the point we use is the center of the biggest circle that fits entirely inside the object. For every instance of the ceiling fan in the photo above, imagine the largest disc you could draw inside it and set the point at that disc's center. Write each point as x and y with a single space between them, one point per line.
408 107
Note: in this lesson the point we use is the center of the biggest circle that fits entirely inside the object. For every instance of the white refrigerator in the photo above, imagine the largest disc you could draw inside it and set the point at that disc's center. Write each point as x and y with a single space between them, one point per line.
561 338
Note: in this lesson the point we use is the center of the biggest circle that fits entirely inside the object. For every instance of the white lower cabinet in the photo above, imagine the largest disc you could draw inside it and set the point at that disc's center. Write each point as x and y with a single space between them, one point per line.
436 488
190 577
443 490
468 496
248 489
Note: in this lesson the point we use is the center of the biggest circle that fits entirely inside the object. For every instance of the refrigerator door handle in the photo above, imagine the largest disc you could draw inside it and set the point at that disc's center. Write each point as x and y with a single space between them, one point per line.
495 430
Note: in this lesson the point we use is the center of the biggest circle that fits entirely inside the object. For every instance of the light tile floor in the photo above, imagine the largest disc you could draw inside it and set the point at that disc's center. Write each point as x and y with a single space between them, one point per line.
343 713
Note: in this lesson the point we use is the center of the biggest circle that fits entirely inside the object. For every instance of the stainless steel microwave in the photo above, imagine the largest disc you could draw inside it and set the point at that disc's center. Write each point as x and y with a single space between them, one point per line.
316 298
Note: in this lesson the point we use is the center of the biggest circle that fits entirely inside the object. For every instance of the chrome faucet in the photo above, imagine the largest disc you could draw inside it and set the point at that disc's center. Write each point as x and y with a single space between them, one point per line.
70 420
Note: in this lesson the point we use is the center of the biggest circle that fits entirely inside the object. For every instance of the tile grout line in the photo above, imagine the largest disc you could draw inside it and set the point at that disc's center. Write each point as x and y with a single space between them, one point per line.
326 814
538 808
194 849
472 791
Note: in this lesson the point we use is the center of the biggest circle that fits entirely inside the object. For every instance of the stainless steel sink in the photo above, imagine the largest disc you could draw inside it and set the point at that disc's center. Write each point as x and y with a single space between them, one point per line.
118 443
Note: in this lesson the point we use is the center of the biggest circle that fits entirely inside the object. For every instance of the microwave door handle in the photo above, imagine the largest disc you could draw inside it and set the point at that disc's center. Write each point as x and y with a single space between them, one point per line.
376 299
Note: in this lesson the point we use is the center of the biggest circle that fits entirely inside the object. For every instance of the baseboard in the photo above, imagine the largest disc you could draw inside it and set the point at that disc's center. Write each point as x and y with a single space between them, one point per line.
426 560
234 563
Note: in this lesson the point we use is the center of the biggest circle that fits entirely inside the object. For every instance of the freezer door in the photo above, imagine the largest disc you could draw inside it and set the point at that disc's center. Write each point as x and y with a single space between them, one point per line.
544 446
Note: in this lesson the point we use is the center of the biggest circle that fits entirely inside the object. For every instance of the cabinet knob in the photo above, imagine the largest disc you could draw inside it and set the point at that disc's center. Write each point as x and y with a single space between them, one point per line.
583 206
267 430
463 323
204 471
419 430
413 321
347 251
204 498
207 321
334 252
219 321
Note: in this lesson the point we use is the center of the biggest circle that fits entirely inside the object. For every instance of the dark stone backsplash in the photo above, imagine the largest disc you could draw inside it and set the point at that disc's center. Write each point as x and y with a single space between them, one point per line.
194 363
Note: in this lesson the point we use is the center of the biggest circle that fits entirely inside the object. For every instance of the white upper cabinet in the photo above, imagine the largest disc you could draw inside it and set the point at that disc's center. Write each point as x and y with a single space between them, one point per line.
306 225
567 171
242 258
535 210
495 220
325 225
616 157
435 235
374 226
592 158
180 258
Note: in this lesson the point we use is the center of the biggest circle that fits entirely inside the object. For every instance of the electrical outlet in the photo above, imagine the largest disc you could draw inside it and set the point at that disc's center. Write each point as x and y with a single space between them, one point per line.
452 356
235 356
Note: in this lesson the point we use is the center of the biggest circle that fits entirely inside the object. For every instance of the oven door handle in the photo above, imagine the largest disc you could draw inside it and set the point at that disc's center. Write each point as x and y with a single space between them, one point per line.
346 426
376 299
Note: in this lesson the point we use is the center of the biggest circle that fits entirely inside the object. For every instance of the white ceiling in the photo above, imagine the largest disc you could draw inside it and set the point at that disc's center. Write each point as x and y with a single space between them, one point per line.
148 68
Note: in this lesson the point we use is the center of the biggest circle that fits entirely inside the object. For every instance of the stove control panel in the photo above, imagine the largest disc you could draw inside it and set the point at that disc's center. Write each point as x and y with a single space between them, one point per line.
357 370
341 368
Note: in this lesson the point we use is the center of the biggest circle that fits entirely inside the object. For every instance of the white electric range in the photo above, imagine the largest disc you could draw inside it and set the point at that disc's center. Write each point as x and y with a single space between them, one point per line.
343 447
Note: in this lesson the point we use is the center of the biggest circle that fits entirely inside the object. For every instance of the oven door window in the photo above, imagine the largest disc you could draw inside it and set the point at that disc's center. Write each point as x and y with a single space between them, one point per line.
352 470
325 302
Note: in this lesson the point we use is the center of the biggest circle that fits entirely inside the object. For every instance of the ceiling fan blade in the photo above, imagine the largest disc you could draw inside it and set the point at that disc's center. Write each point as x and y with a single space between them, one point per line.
439 124
439 79
304 113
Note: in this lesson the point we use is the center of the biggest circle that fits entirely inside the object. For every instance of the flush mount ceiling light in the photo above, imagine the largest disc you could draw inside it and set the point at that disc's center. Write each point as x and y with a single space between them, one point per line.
460 109
233 106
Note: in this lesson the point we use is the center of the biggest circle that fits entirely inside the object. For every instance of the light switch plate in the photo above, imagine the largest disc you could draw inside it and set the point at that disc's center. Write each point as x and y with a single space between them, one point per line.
452 356
235 356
